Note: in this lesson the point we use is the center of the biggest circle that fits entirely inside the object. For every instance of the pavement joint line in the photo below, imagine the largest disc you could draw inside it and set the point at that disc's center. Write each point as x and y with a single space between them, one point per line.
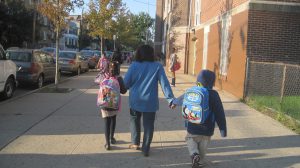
50 114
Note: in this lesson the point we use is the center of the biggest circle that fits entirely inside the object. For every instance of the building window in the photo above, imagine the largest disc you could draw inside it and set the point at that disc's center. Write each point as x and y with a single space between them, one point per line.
225 44
197 12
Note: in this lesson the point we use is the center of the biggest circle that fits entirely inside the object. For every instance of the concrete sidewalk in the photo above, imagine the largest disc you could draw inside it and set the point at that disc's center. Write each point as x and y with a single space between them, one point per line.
65 130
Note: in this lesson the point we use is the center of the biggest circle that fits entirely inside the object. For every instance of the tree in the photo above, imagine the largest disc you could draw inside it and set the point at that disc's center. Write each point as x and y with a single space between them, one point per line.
132 30
142 23
56 11
100 18
15 23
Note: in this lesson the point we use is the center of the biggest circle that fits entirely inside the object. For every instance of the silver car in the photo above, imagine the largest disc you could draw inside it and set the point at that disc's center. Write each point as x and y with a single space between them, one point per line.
71 61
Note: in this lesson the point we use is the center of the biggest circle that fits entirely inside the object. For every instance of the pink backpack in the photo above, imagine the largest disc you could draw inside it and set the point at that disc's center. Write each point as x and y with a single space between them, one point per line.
109 97
103 66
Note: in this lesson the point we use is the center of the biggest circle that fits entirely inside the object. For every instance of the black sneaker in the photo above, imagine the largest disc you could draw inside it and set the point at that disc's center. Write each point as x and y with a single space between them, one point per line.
146 154
113 141
195 161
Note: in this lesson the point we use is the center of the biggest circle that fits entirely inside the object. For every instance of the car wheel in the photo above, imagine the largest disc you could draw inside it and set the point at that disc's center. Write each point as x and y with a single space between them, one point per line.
40 81
9 88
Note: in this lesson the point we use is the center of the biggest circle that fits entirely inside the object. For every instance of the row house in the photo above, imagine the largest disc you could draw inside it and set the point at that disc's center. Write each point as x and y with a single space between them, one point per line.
225 35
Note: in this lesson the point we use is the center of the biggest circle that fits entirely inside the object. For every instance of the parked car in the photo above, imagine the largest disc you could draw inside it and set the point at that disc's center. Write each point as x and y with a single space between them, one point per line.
91 57
109 54
71 61
97 54
34 66
50 50
8 71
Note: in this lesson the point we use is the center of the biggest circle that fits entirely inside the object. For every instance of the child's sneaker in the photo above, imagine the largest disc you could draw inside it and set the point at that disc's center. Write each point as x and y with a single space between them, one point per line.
113 141
195 161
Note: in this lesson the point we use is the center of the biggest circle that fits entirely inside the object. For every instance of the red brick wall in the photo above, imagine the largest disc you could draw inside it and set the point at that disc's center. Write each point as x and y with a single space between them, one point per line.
274 36
180 13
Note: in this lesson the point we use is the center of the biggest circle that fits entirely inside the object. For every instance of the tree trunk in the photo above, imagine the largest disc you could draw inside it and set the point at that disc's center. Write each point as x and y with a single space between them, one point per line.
57 48
101 44
34 24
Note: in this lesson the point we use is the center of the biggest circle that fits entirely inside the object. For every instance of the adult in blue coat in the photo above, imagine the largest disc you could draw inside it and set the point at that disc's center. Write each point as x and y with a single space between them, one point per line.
142 79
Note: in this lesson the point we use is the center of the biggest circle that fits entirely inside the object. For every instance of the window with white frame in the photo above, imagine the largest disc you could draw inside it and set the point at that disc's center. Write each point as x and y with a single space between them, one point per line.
197 12
225 44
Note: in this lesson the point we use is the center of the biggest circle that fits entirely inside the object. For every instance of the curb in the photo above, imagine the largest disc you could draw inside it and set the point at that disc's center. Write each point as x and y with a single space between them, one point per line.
33 91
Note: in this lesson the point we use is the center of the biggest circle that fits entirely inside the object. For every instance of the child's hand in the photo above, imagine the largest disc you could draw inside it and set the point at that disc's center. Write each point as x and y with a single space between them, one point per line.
172 105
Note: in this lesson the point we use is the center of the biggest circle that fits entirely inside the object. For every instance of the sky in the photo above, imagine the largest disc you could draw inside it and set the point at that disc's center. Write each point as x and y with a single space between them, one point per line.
135 6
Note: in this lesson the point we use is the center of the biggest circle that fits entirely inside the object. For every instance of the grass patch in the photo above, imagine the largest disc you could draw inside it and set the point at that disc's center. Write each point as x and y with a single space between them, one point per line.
288 112
55 90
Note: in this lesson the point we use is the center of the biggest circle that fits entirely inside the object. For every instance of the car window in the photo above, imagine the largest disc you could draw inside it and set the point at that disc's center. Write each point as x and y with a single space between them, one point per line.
98 53
87 54
2 54
50 50
67 55
19 56
50 59
37 57
43 58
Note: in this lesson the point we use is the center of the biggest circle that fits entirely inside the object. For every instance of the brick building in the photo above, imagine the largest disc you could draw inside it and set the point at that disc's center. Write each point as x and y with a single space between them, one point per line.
225 35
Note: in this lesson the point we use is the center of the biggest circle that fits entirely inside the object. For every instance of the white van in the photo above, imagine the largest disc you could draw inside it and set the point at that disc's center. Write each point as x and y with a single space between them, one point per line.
8 71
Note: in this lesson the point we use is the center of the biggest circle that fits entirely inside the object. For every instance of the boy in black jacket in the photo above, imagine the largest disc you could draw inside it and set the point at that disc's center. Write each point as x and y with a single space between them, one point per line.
199 135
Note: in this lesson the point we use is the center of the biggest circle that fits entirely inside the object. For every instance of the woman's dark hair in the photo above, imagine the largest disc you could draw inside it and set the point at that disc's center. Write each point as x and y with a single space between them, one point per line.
145 53
114 68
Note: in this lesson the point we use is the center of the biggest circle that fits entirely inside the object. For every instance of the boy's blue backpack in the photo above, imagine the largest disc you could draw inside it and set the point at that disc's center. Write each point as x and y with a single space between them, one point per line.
195 107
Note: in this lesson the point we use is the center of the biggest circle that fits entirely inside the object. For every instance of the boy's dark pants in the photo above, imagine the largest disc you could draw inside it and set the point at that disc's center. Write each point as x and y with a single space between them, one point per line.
135 128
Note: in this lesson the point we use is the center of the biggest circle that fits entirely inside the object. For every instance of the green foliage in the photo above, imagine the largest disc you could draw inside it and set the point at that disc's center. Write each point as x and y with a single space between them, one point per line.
15 23
100 17
141 25
111 17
